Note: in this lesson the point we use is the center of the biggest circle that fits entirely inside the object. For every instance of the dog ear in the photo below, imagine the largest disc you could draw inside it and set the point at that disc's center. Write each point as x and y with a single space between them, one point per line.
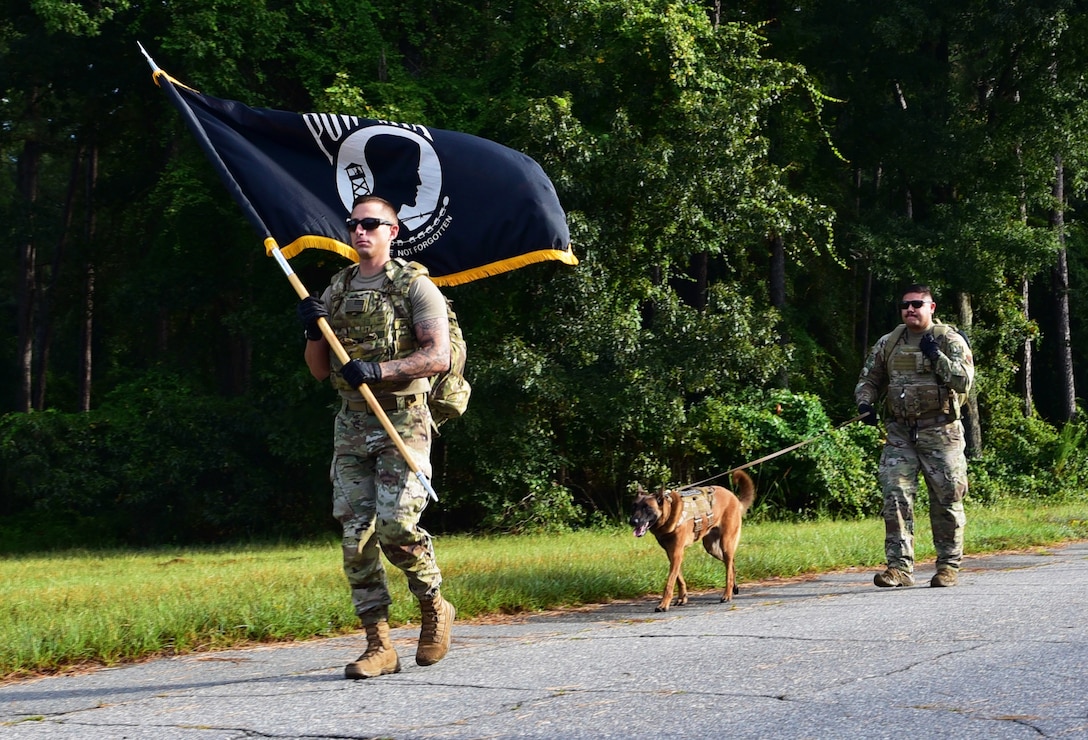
638 489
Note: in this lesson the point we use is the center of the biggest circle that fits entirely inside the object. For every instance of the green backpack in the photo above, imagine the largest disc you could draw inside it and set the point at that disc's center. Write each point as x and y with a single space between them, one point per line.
449 394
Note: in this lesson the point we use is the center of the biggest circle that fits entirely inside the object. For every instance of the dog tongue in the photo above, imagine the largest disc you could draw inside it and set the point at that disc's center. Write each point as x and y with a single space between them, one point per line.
641 530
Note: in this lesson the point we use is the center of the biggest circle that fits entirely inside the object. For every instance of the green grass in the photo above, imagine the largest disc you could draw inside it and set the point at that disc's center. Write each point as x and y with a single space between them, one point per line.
64 610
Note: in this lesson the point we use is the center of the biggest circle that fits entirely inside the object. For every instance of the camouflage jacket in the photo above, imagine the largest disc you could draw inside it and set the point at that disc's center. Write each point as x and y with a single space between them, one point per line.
914 387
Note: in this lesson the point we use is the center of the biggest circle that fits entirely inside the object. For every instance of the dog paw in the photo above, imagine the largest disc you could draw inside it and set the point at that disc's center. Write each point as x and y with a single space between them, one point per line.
661 608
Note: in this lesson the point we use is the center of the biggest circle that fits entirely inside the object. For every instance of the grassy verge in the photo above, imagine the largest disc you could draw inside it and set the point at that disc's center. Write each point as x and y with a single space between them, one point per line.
64 610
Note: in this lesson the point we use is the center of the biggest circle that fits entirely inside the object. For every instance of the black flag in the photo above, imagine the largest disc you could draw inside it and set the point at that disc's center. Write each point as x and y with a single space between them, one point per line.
468 207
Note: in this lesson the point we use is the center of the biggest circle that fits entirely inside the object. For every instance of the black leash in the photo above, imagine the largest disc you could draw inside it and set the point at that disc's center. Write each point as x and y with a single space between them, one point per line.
773 455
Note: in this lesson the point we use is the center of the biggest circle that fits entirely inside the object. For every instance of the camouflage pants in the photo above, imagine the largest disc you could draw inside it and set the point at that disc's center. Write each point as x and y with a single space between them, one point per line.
379 500
938 456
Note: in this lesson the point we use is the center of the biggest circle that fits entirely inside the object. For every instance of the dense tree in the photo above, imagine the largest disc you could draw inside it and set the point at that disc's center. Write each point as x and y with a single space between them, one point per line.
704 155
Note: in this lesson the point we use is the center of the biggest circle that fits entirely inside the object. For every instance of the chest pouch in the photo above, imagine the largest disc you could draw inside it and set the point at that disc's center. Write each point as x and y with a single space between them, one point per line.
913 390
917 401
364 324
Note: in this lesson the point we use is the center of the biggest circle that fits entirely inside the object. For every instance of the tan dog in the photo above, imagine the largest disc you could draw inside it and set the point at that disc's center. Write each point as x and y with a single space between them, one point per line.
712 514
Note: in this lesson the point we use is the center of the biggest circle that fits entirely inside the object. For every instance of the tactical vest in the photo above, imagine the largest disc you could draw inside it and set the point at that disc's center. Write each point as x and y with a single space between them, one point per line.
914 392
698 505
374 326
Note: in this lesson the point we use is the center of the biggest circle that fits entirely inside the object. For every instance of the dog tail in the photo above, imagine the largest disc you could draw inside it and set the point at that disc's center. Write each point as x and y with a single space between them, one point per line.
744 488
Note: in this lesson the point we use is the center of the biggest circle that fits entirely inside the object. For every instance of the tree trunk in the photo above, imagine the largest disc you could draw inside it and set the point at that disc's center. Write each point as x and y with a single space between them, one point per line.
862 331
778 297
700 264
1060 283
1027 370
867 305
972 429
44 339
86 365
1028 406
88 300
27 184
647 308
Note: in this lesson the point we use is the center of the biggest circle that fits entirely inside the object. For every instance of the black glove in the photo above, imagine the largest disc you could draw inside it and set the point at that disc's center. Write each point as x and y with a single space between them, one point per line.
929 348
311 309
358 372
870 418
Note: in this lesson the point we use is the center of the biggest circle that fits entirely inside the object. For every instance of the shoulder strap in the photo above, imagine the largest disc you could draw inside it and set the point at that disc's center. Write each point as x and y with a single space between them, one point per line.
894 338
340 284
939 329
402 273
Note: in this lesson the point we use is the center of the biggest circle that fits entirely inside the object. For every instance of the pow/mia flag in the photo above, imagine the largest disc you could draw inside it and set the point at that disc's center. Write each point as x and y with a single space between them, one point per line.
468 207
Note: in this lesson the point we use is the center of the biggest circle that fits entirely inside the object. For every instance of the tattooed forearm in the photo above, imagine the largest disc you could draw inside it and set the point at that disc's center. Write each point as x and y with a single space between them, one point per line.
433 355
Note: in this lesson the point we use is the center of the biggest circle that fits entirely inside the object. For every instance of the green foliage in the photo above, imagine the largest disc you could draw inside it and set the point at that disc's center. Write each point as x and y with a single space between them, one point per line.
682 146
157 464
833 474
61 16
1026 458
593 392
547 508
654 123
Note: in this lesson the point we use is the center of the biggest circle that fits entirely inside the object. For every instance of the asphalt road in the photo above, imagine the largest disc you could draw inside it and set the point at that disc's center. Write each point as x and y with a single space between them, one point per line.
1002 655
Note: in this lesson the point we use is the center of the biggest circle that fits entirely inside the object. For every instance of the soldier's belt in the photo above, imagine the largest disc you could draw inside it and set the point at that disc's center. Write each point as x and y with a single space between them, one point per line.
929 421
389 403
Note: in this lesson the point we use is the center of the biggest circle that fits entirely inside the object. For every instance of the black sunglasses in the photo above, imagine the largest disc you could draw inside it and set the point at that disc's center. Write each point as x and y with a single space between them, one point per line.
368 224
912 304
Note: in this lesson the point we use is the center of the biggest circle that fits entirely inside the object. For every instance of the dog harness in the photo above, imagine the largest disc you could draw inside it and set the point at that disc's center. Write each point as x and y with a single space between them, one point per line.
699 507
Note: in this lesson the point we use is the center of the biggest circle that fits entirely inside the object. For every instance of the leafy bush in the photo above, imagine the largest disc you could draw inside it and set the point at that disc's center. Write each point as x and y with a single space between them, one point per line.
547 508
157 464
1026 458
161 464
833 474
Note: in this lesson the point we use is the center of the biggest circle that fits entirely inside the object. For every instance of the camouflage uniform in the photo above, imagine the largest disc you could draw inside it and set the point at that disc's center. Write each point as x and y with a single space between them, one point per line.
376 496
379 501
924 435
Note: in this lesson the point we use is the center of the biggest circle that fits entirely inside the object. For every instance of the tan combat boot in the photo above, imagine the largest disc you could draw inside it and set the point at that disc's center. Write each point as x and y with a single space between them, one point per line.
380 657
945 576
893 577
434 635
